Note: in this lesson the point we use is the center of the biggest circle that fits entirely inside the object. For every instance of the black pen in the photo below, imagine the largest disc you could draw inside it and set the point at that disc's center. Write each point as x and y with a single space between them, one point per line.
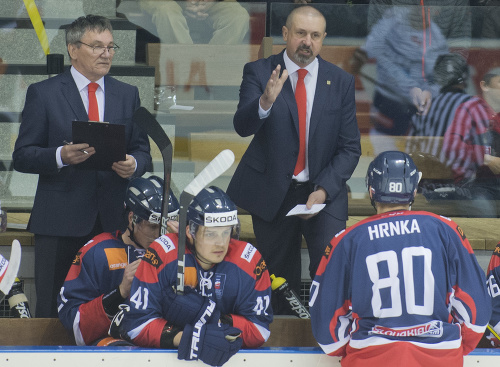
81 150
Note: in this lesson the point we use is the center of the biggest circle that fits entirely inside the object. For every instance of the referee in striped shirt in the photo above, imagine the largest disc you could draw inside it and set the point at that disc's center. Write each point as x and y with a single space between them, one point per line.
451 73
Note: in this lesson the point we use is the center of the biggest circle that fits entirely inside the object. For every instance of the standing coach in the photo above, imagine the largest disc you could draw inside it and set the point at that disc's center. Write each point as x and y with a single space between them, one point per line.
73 205
302 113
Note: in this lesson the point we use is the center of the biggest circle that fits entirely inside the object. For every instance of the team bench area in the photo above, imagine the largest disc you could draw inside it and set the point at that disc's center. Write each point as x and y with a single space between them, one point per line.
46 343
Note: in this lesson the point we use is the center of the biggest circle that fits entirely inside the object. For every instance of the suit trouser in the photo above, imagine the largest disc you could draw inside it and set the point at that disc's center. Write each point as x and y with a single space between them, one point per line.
280 240
53 258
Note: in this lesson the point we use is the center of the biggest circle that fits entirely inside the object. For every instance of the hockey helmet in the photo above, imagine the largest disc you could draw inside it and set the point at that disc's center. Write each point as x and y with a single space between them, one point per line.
393 178
450 69
173 203
212 207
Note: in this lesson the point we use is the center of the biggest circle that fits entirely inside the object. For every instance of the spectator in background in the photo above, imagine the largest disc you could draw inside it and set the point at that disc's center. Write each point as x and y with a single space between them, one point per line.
491 19
405 45
100 278
301 152
226 21
73 205
471 146
425 143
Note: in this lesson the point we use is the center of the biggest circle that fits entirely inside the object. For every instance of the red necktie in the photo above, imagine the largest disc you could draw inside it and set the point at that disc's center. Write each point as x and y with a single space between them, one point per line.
301 99
93 109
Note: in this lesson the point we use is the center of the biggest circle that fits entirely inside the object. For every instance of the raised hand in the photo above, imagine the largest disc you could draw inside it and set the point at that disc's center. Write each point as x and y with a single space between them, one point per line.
273 88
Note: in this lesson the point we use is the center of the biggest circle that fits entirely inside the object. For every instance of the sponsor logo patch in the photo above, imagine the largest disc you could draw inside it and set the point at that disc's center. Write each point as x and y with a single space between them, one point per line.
221 219
461 233
117 258
151 257
248 252
77 259
433 329
328 249
166 243
259 269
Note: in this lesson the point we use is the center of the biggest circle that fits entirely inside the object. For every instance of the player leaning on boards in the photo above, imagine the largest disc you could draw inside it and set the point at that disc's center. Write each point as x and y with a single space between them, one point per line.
400 288
226 301
100 277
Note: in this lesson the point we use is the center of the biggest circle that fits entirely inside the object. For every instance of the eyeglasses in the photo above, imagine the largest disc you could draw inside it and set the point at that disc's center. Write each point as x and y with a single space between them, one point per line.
99 50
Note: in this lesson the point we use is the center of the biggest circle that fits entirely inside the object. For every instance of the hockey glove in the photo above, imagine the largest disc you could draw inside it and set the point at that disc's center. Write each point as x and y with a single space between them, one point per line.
213 344
181 310
116 329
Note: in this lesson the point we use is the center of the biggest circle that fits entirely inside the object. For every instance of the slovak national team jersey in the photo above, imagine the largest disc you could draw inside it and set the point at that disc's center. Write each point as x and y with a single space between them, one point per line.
399 288
239 285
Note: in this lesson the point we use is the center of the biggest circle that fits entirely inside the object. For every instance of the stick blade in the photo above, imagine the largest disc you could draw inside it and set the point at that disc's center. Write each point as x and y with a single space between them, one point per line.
12 269
146 121
214 169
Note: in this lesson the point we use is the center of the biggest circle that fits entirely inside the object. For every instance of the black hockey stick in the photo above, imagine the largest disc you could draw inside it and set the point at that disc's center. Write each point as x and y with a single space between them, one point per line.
12 268
143 118
214 169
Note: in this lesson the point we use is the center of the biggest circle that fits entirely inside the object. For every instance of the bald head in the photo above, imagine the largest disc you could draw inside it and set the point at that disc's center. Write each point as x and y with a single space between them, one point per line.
304 11
304 33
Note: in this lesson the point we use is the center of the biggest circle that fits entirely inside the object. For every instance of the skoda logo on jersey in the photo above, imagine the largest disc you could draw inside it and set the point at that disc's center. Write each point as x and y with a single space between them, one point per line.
248 252
221 219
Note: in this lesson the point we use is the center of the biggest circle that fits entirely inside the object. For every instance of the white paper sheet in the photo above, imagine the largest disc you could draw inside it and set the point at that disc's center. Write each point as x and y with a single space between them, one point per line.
302 209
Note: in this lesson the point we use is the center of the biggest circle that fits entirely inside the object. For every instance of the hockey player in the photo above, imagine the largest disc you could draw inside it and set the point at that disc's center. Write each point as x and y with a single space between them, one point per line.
100 277
226 303
400 288
493 282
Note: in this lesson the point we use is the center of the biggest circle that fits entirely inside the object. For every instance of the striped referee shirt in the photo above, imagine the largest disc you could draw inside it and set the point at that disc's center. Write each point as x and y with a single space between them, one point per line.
435 123
463 144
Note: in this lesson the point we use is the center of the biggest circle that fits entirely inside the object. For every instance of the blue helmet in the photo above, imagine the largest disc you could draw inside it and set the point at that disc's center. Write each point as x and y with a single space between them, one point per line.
393 178
173 204
212 207
145 196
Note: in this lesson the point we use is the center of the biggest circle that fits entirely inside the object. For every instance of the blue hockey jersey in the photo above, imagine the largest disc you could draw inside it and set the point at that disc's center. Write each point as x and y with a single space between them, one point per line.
97 269
239 285
399 288
493 283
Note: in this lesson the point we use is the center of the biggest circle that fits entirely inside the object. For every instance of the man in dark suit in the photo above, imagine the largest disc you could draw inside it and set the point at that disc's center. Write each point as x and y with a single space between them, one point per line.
267 183
73 205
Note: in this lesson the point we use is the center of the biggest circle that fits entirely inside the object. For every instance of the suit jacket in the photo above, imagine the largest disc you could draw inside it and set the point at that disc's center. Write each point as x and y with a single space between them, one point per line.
264 174
68 200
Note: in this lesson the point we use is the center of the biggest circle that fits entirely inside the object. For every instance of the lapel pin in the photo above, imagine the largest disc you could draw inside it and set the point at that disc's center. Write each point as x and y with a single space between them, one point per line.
328 82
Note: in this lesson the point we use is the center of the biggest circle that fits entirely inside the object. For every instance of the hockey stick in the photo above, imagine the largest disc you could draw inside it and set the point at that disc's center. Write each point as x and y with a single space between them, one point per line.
493 332
214 169
144 119
12 268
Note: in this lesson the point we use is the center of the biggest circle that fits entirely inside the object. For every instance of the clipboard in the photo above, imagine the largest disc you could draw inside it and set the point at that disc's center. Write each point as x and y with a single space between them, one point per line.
107 139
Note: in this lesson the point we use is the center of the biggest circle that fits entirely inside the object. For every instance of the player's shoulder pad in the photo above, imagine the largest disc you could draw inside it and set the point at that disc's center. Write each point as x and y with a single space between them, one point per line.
97 241
496 251
162 251
246 257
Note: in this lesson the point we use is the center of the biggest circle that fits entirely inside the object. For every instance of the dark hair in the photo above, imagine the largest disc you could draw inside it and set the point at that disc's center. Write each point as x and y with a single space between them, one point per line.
80 26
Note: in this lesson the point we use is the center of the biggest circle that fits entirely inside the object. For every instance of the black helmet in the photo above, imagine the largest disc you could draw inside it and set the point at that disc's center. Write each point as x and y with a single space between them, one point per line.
144 198
451 69
173 204
393 178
